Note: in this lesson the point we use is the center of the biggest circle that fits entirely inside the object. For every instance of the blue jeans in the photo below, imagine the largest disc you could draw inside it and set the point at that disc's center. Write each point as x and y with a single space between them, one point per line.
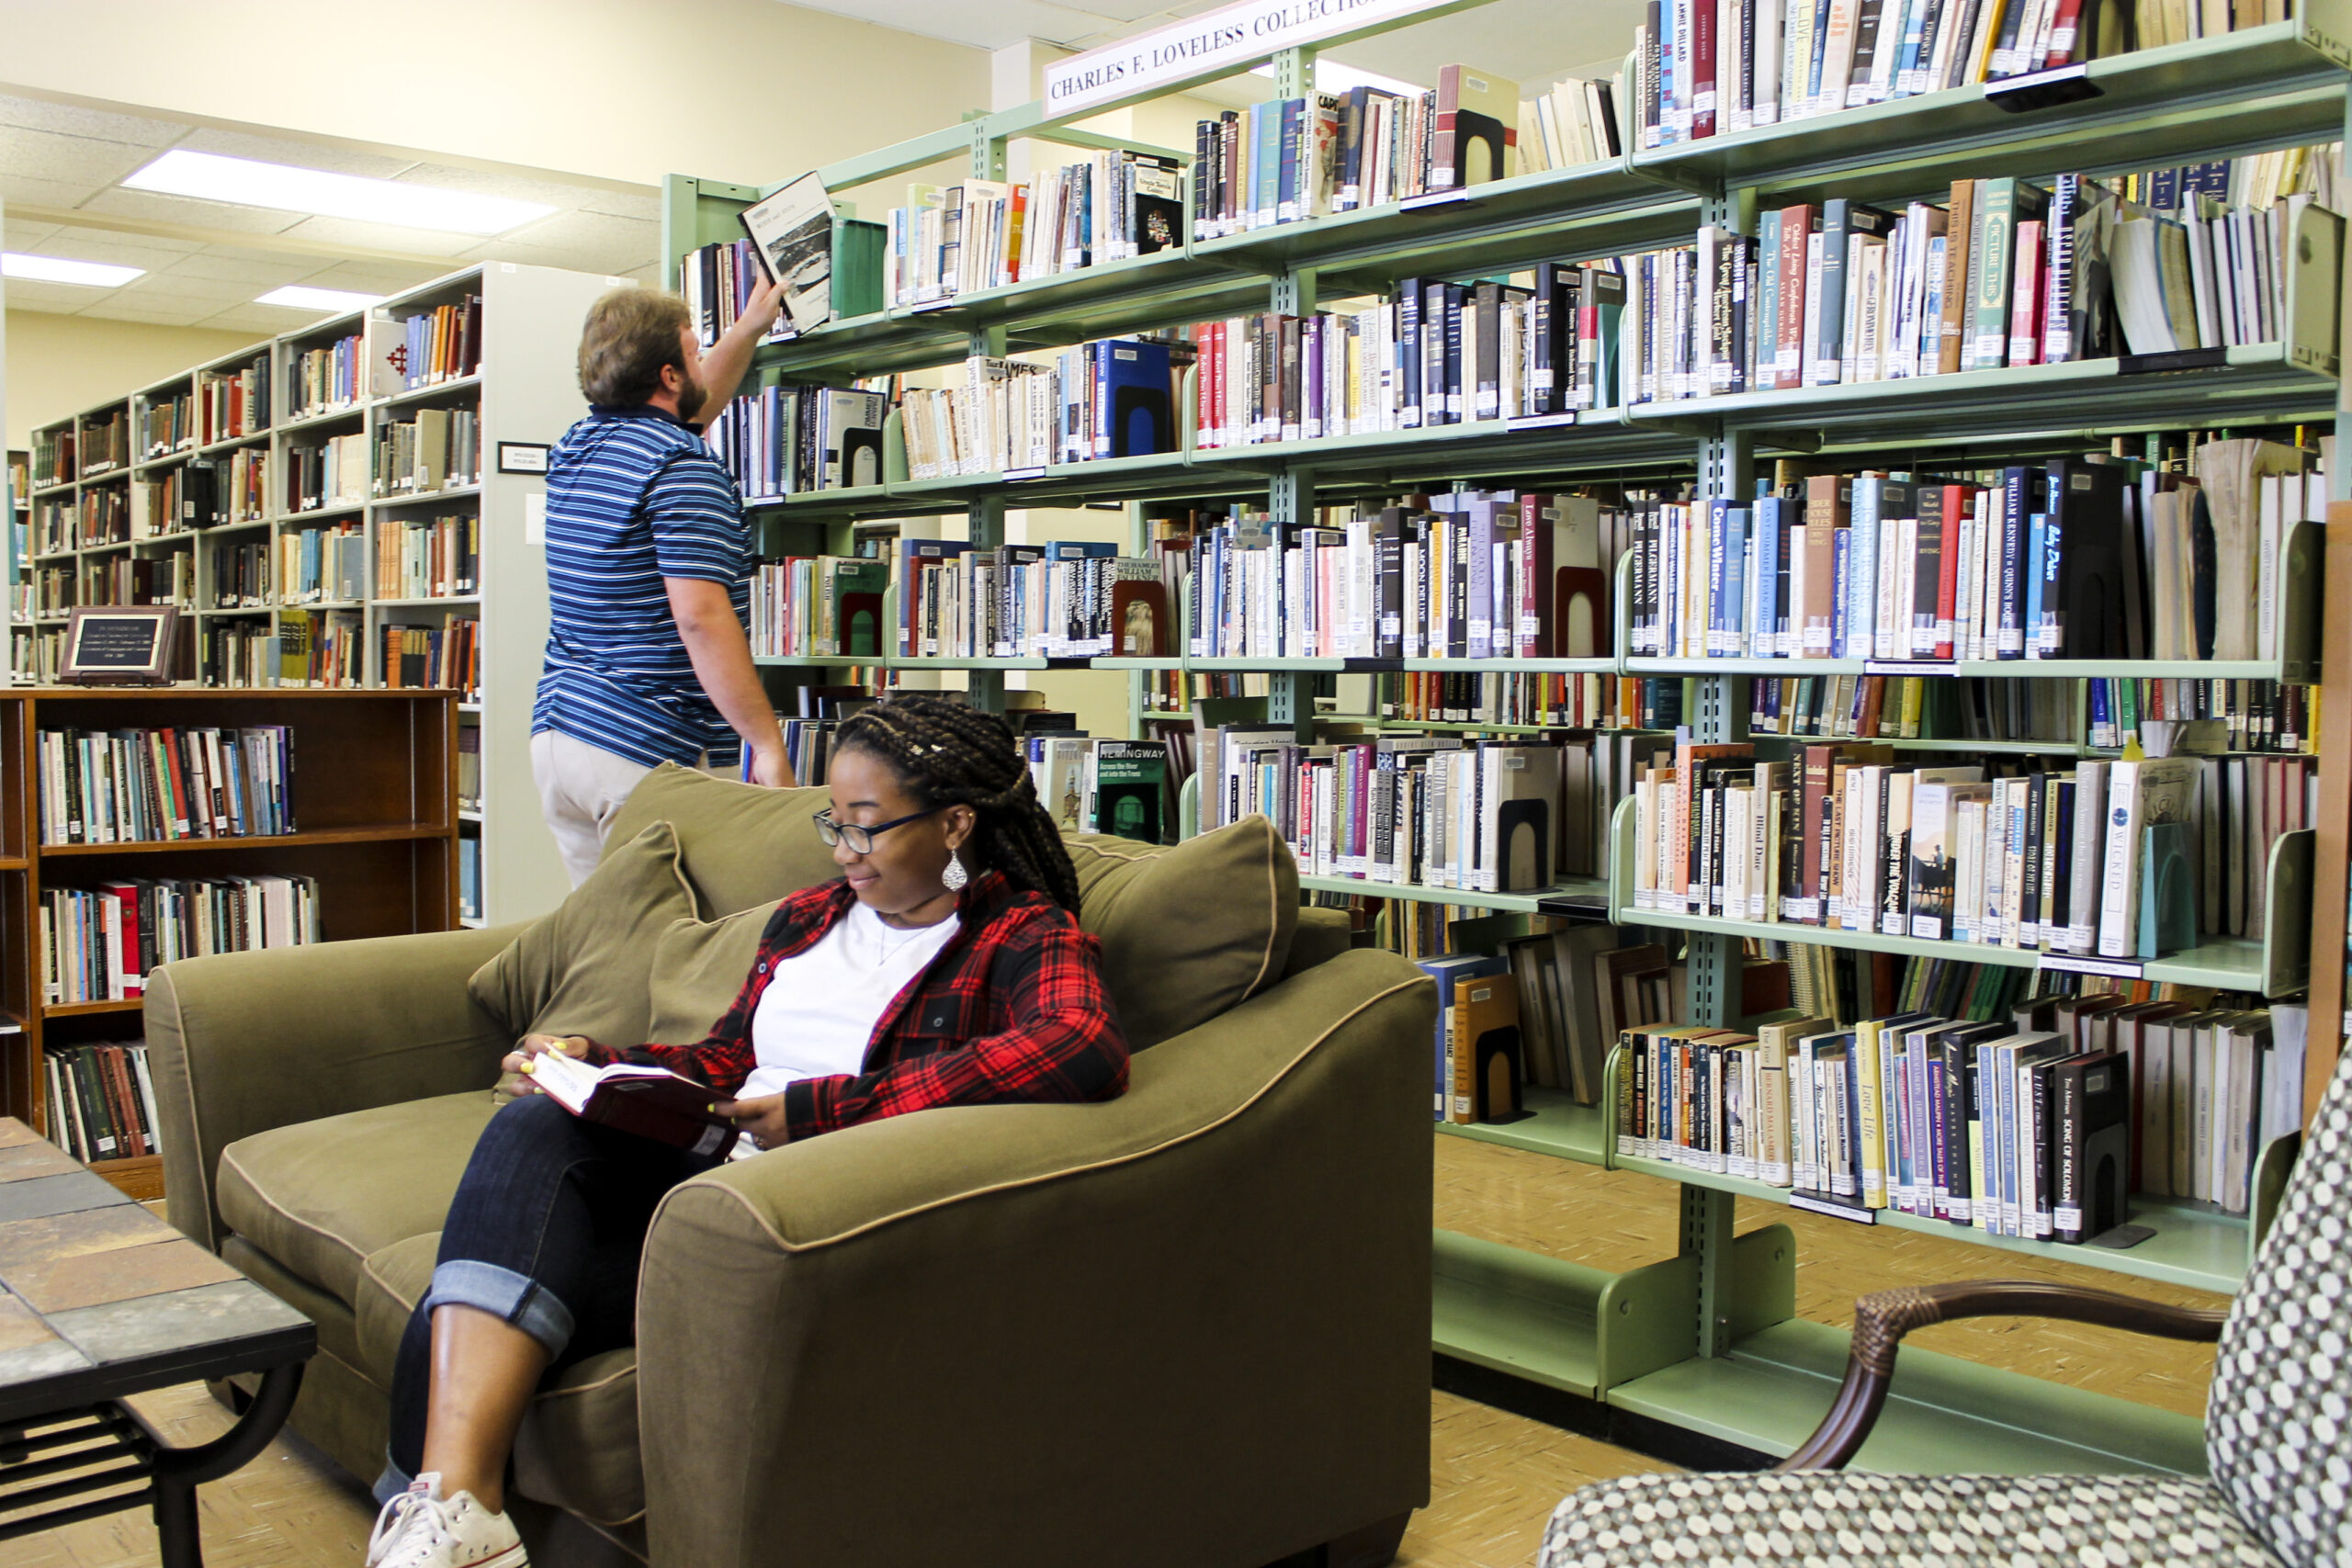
546 1231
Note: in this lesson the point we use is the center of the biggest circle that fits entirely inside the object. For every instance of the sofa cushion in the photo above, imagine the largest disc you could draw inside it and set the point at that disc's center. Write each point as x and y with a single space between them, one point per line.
578 1446
1188 930
322 1197
583 969
743 846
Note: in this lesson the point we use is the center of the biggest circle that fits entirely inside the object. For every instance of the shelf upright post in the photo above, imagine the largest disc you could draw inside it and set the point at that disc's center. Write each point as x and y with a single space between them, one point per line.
1295 72
984 515
1290 495
1714 961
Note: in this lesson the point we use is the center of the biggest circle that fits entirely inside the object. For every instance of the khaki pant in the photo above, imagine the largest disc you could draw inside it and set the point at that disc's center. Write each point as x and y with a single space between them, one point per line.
581 790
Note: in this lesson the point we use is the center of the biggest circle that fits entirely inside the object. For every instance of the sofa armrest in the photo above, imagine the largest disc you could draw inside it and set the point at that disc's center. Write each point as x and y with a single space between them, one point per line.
1091 1320
243 1041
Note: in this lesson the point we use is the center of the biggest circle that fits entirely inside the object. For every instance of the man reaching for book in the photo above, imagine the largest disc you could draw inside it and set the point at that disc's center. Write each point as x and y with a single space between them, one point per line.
649 564
957 901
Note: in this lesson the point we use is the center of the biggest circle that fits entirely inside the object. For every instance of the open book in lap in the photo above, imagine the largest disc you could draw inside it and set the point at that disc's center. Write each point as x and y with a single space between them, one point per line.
651 1102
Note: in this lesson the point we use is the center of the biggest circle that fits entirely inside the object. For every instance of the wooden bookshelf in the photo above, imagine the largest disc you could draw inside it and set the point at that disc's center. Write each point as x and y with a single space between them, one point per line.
373 793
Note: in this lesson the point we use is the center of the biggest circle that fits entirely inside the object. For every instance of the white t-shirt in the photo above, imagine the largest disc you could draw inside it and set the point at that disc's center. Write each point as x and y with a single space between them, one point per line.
818 1014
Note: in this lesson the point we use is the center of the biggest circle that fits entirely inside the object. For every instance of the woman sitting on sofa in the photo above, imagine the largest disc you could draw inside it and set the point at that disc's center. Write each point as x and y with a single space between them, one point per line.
944 967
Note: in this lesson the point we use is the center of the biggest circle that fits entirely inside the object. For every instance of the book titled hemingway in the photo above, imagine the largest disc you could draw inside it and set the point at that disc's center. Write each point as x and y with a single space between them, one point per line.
652 1102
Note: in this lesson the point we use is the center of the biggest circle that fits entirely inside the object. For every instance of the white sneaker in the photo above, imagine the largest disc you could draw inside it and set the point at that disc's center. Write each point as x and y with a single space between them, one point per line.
420 1528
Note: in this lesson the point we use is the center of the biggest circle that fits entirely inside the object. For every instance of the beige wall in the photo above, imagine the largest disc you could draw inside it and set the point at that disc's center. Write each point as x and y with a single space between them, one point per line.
60 364
745 90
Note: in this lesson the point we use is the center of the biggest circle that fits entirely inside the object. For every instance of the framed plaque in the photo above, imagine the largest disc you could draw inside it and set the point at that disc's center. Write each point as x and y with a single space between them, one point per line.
118 645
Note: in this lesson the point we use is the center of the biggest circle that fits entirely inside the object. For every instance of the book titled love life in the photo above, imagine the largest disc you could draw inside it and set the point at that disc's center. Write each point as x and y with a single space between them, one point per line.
652 1102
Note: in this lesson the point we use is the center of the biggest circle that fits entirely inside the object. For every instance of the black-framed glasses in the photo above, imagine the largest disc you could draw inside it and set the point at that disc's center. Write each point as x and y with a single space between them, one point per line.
860 838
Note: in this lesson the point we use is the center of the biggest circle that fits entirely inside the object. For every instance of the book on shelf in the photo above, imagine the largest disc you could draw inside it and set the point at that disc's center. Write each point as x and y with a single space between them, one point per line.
106 443
432 449
2254 716
781 440
470 905
234 403
52 456
427 558
1472 574
333 472
2095 557
102 516
1059 600
425 657
323 379
443 343
1113 398
981 234
99 1101
1706 68
2038 1124
313 649
166 424
1432 353
468 767
2001 273
144 786
241 575
329 565
819 606
1843 838
98 945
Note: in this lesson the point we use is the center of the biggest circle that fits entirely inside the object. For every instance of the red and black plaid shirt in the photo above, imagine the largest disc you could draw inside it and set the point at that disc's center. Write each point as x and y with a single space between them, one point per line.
1012 1009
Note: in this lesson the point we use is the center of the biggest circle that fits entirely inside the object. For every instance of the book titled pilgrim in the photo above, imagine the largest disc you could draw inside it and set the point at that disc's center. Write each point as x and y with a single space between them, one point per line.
792 232
652 1102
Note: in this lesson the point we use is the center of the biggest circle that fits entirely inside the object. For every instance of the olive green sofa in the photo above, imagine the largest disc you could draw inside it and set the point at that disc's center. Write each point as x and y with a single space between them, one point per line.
1188 1328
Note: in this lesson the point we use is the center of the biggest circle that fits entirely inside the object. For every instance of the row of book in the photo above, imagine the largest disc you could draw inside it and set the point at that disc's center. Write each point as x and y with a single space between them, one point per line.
1544 1010
241 575
132 785
323 649
322 566
1472 574
1705 68
2254 716
2038 1124
120 580
469 876
1061 599
432 449
428 557
1432 352
1113 398
52 456
232 404
2127 859
332 473
2097 558
100 1100
166 425
989 234
323 380
106 445
783 440
1514 699
203 494
2005 273
448 655
819 606
97 943
1119 787
102 516
441 344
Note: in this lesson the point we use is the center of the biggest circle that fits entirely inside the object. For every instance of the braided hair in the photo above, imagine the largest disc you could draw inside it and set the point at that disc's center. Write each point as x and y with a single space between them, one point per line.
947 755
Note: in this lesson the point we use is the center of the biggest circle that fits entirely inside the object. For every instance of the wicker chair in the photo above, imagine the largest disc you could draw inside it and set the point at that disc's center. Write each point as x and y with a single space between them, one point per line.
2274 1427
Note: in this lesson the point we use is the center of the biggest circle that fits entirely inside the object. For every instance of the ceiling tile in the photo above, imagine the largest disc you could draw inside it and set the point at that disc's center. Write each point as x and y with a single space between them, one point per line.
561 195
71 159
381 237
615 204
155 315
370 277
140 131
982 24
18 236
300 155
31 190
600 243
181 210
263 272
97 245
261 320
26 295
177 286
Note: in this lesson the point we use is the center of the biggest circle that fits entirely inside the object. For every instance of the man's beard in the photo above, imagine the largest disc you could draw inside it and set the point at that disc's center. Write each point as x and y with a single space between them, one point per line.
691 398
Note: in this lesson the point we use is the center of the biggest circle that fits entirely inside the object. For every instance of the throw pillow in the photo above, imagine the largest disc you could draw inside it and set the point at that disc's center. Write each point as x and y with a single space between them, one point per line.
1188 930
743 846
698 967
587 968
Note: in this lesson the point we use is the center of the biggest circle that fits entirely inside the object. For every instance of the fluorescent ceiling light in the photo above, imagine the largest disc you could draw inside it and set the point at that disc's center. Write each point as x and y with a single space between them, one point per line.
56 269
1330 76
210 176
294 296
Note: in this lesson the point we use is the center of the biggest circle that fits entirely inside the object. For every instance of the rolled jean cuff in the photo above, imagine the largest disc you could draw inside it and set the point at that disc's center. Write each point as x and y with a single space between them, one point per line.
520 1300
393 1483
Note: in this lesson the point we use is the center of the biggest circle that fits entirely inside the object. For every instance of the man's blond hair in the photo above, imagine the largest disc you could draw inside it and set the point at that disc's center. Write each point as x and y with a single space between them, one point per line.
629 335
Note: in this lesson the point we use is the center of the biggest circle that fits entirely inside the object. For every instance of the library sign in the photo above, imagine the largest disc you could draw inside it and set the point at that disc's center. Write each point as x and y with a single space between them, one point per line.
1214 43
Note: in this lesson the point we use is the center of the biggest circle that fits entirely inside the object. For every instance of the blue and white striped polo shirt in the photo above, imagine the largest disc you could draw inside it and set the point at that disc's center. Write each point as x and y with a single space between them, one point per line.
635 496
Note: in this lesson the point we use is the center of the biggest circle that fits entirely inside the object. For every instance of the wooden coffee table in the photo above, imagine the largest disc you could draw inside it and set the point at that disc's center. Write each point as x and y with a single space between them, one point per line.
102 1300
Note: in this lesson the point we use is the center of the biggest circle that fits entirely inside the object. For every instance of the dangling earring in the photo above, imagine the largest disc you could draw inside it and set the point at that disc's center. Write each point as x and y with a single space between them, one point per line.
955 876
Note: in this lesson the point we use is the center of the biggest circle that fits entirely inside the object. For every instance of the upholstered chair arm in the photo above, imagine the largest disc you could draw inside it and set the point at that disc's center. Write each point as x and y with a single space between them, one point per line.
1883 1317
